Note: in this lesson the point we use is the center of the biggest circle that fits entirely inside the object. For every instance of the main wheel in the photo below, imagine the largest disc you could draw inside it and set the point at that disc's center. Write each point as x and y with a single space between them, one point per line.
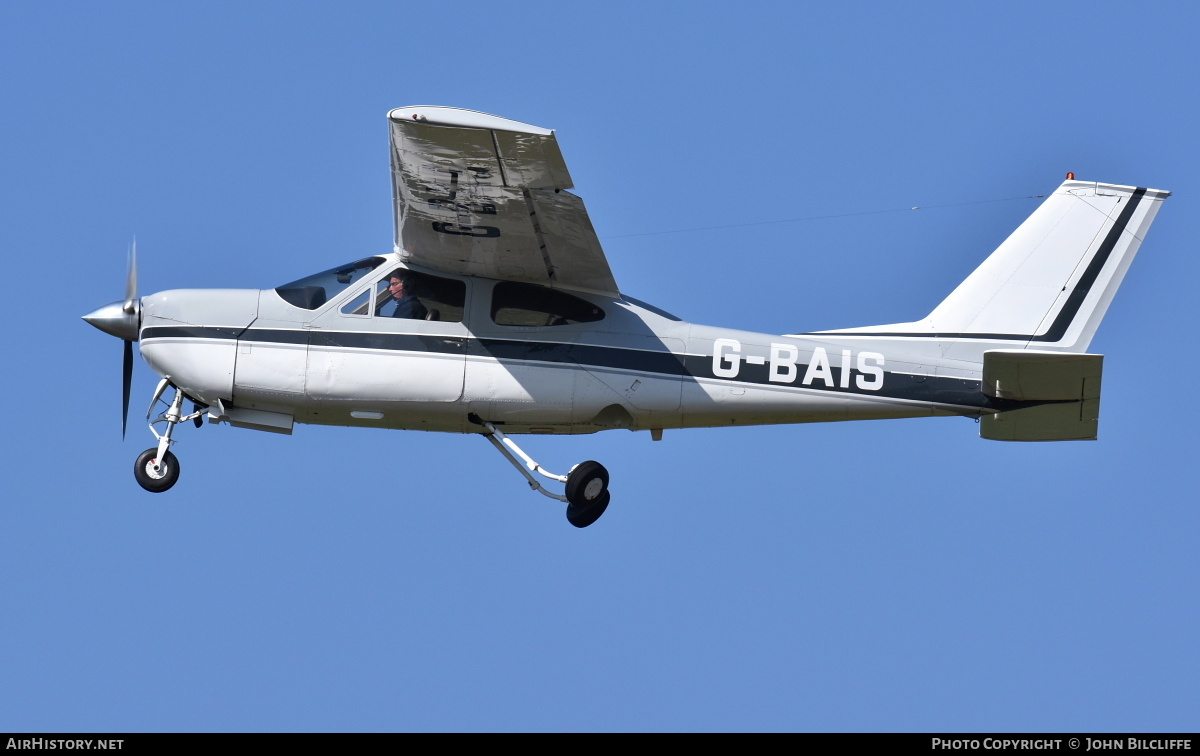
585 514
147 478
587 492
586 482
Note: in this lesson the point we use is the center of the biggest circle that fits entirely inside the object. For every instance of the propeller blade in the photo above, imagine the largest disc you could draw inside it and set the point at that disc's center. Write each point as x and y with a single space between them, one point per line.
131 278
126 381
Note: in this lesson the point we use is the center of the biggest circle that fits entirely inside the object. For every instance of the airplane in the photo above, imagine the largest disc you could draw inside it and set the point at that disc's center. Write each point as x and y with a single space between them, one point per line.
496 313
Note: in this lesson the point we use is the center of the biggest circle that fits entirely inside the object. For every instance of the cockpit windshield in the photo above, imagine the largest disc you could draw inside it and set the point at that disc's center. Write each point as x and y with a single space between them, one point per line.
313 291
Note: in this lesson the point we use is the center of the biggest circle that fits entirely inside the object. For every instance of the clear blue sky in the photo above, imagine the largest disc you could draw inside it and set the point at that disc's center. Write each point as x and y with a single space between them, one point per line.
899 575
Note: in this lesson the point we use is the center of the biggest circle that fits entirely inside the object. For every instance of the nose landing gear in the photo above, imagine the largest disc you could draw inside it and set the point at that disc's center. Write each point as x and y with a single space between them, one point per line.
157 469
586 484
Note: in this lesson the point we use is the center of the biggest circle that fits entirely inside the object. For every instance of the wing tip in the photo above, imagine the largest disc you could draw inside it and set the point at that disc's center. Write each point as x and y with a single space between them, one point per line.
441 115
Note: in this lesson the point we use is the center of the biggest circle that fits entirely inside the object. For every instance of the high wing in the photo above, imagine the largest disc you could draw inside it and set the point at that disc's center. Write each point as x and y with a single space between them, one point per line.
480 195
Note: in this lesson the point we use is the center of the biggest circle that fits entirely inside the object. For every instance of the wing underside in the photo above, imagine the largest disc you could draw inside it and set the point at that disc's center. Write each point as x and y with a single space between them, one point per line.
484 196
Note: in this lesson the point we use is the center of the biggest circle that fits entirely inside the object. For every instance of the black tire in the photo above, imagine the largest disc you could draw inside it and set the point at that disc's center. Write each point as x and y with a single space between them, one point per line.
587 483
143 471
584 515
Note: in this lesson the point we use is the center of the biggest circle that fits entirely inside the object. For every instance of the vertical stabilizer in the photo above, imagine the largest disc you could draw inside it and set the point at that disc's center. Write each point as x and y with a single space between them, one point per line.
1049 284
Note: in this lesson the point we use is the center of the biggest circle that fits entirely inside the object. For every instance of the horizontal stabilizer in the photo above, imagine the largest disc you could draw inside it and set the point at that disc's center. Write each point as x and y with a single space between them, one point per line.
1070 383
1041 376
1062 421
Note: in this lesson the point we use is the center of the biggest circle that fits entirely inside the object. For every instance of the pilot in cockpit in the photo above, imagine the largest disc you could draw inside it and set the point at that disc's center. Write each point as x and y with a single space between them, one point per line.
407 304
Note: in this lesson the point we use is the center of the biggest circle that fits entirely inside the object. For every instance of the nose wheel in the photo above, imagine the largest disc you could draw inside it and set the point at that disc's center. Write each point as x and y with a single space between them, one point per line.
155 476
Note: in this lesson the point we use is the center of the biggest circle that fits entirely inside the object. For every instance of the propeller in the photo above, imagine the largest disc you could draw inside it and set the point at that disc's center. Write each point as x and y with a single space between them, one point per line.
131 303
131 307
123 319
126 383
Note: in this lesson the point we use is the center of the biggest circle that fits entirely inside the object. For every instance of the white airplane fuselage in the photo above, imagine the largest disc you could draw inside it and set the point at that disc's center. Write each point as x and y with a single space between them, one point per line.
267 363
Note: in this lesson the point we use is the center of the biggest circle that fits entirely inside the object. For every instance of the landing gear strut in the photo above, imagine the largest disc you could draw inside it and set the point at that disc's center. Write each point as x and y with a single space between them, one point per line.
586 484
157 469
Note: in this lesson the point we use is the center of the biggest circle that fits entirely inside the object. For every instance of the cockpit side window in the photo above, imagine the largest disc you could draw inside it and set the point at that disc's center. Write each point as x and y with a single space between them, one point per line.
519 304
359 306
420 296
313 291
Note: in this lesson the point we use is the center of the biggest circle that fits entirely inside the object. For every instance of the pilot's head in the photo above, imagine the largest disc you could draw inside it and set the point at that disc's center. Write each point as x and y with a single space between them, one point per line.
398 285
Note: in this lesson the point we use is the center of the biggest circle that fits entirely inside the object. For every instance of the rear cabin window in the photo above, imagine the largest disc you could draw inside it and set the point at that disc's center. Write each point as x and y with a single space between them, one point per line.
519 304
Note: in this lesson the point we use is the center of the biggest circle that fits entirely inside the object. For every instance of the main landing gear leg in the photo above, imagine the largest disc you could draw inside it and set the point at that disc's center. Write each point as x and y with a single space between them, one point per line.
586 484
